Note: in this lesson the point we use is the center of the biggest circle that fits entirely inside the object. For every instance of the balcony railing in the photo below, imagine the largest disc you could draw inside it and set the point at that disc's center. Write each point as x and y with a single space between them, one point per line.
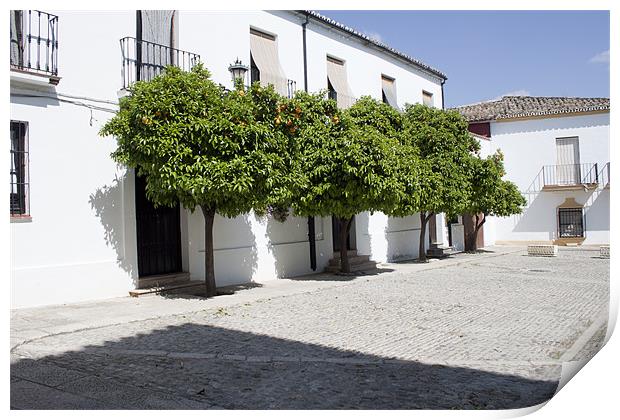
143 60
604 176
570 176
34 42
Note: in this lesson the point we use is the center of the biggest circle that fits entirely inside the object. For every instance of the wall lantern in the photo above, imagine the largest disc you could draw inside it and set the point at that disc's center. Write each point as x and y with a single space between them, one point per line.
238 70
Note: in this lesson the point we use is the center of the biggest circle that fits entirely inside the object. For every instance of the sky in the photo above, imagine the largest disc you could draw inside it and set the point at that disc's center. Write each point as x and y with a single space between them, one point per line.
488 54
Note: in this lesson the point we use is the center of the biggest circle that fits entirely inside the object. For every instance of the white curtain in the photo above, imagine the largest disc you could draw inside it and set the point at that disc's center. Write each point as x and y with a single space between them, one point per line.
389 90
568 171
337 75
156 28
265 54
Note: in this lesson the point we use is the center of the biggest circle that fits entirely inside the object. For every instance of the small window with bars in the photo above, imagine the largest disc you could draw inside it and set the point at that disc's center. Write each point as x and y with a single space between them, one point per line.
20 183
571 223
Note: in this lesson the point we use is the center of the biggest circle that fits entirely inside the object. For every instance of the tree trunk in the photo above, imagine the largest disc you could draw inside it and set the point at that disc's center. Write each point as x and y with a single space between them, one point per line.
209 214
477 228
345 226
423 221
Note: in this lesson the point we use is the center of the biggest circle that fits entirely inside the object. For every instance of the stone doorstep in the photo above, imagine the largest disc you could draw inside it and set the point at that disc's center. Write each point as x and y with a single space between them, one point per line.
356 259
370 265
162 280
177 287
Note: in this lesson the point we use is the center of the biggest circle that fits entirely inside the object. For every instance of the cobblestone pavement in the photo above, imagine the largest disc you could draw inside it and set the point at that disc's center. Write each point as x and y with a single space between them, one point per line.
490 332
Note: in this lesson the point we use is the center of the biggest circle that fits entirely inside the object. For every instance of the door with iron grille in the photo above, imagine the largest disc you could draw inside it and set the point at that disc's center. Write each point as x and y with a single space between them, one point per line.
158 235
570 223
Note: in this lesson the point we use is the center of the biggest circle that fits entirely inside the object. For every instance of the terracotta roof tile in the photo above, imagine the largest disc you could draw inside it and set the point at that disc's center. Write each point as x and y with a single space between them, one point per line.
530 106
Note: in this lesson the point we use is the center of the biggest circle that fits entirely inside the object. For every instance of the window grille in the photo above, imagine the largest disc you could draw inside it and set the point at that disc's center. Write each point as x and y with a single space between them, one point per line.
571 223
20 185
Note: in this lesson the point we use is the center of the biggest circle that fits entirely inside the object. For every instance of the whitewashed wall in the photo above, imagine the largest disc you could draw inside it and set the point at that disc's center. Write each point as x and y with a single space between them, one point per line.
528 145
80 243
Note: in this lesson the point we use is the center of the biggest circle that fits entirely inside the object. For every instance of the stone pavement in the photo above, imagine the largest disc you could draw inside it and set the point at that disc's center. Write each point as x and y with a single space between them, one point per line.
489 330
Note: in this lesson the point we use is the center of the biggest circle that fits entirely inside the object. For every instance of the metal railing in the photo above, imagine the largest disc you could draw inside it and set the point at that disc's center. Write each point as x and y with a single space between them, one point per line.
571 174
604 175
34 42
285 87
343 101
143 60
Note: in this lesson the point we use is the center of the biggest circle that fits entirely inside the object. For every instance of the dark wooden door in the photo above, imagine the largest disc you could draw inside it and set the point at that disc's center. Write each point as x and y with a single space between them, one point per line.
336 235
158 235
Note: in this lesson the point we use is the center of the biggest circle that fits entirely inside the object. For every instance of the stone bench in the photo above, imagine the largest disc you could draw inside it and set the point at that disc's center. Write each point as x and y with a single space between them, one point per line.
542 250
605 251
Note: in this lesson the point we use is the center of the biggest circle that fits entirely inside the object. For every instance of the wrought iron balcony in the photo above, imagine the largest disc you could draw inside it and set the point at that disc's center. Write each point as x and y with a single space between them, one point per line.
143 60
34 43
570 177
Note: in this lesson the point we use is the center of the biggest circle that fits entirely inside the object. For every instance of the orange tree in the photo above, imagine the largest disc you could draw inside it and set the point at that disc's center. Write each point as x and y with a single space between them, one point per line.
203 146
348 160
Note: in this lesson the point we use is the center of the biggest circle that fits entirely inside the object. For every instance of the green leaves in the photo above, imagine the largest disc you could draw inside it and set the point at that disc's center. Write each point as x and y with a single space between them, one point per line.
489 193
346 158
201 145
239 150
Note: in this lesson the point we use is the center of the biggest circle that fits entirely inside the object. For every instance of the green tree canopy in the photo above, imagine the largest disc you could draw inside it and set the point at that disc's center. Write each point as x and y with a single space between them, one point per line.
201 145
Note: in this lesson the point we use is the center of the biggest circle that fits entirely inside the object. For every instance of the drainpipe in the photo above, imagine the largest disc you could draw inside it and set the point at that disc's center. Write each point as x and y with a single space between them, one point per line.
443 105
311 225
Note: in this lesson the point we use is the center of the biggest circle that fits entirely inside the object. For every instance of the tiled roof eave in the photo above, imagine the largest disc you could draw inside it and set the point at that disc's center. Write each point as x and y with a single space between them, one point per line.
377 44
555 112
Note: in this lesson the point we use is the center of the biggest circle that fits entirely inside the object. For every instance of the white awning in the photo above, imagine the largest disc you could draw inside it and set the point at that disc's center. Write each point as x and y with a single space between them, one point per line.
389 90
264 51
337 75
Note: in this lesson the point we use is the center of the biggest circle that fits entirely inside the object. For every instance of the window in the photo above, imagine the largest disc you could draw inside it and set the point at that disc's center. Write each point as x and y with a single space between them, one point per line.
19 205
388 91
570 222
427 98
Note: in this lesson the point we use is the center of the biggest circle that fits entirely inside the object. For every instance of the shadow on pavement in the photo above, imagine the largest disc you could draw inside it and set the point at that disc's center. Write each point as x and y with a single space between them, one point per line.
217 367
326 276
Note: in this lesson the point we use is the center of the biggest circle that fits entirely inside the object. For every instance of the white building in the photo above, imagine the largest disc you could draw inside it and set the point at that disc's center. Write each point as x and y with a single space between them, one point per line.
556 150
80 225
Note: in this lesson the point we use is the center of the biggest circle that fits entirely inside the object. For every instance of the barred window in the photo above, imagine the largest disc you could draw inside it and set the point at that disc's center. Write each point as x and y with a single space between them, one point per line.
570 223
19 188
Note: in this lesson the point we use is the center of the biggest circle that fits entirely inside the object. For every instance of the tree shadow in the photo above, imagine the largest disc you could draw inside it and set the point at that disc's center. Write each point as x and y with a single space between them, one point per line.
197 366
288 243
107 202
199 292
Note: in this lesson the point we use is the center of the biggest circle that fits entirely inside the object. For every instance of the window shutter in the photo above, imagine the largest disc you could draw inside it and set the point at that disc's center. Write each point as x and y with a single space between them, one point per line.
264 51
389 90
337 76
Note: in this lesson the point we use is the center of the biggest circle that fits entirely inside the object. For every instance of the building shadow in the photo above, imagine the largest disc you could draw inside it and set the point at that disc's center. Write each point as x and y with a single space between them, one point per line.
197 366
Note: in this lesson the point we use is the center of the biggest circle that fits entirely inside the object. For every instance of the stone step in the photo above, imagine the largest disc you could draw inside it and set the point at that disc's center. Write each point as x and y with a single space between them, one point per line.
353 259
162 280
185 287
366 266
442 251
350 252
